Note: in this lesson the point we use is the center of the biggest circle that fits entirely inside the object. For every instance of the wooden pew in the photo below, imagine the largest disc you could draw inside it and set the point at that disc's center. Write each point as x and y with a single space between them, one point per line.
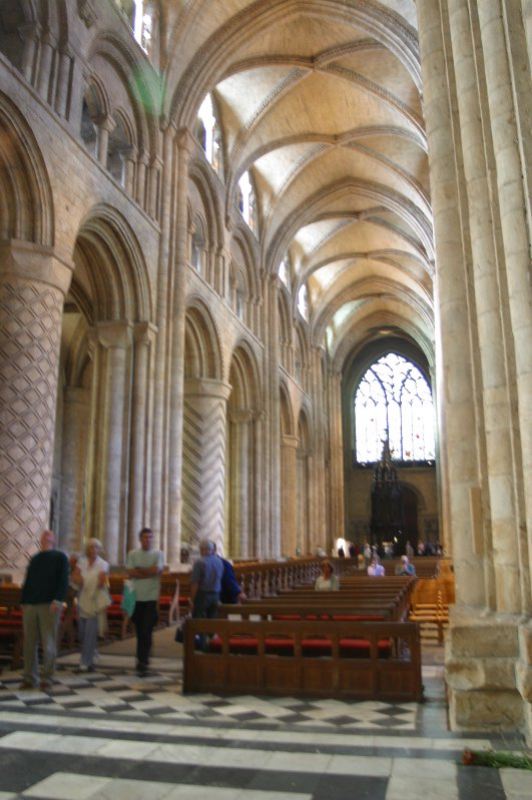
359 660
11 635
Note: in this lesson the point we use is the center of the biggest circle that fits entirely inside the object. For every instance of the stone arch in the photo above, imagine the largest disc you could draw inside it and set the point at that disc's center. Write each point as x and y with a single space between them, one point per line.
286 412
285 325
201 175
203 358
112 260
103 405
26 201
243 454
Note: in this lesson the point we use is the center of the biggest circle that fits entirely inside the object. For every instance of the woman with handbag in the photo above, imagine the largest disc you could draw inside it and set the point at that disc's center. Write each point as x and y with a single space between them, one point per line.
90 576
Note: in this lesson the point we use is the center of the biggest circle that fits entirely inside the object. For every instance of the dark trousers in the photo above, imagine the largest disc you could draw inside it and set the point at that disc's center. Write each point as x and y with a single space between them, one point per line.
205 605
144 619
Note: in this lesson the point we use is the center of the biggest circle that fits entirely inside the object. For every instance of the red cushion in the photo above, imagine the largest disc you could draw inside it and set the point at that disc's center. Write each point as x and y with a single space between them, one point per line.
287 617
356 617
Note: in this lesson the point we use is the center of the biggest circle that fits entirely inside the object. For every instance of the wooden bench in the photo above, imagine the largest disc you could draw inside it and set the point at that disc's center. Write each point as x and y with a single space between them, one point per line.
11 634
358 660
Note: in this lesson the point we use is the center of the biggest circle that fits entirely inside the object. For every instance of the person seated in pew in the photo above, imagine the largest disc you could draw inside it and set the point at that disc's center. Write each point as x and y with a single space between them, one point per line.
375 569
405 567
327 581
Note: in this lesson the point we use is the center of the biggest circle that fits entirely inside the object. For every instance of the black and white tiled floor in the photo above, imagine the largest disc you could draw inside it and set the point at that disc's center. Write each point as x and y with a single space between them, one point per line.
112 735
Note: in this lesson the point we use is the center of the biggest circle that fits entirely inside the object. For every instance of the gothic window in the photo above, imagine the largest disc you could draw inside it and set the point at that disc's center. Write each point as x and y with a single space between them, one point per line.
284 274
303 303
89 131
118 149
140 15
247 202
209 134
393 402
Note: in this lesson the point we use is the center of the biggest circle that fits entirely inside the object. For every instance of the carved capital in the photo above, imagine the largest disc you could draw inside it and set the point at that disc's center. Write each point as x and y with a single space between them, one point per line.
35 264
87 12
114 334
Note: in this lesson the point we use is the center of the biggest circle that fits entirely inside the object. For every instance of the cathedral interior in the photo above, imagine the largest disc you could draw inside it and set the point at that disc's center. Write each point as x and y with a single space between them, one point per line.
255 254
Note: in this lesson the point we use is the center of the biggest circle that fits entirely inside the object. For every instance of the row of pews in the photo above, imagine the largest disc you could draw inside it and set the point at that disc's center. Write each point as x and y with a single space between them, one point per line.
354 643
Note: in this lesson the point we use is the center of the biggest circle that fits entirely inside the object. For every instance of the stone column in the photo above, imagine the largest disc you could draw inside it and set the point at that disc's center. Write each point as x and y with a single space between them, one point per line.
272 439
457 388
143 336
289 445
30 35
76 421
142 167
204 442
241 487
63 82
185 145
45 64
336 473
159 461
114 339
104 130
33 283
492 335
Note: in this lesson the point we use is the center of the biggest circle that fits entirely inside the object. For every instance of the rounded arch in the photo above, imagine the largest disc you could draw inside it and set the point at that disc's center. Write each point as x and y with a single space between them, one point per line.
304 429
286 411
244 377
202 177
142 89
111 268
242 239
203 354
26 201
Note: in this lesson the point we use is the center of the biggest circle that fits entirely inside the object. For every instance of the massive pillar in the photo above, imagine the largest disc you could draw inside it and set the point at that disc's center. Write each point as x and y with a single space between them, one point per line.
185 144
272 426
204 441
471 107
241 485
33 283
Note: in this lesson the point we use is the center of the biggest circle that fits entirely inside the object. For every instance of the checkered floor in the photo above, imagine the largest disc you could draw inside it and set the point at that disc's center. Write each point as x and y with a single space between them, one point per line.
110 735
115 689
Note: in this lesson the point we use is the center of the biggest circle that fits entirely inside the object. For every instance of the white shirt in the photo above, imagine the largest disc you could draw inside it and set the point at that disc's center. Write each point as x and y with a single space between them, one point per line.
90 574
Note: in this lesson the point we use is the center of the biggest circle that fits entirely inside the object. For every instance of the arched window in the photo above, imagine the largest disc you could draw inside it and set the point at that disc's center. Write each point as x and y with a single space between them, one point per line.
89 131
393 402
140 15
118 148
198 245
303 303
247 202
284 274
209 134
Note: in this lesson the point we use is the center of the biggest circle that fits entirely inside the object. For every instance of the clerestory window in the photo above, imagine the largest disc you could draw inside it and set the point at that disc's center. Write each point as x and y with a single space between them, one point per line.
393 402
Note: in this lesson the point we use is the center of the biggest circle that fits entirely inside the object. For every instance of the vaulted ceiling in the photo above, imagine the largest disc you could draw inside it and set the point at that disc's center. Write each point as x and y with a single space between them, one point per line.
321 101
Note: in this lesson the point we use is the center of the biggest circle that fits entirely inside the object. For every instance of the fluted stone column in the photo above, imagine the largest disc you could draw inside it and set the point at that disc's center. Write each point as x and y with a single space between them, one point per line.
336 470
204 442
272 426
241 487
63 81
45 64
289 481
457 390
76 422
114 340
303 495
33 283
185 145
139 461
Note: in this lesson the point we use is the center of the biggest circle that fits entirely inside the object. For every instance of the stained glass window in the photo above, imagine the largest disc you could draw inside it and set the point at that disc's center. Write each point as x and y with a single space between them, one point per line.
393 401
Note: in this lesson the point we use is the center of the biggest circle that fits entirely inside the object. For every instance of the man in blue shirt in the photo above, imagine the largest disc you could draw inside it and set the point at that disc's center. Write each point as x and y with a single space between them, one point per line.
206 581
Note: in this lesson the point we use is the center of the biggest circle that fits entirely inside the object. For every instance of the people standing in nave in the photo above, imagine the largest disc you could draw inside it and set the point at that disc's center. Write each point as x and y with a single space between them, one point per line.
144 567
43 595
206 581
90 576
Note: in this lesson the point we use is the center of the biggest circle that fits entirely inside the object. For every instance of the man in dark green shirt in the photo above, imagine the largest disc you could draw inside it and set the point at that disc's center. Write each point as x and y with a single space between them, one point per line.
43 594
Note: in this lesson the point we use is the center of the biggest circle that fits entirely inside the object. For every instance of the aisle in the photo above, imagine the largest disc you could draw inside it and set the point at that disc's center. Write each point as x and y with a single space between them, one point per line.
113 735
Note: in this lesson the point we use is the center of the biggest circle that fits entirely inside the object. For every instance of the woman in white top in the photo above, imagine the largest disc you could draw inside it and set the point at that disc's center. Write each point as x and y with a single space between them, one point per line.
90 576
327 581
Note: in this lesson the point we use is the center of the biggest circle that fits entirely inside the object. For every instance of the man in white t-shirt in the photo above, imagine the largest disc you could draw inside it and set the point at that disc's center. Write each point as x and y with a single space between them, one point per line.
144 567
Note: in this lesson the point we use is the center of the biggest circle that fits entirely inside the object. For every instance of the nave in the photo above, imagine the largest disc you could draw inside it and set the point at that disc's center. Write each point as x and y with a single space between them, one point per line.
110 735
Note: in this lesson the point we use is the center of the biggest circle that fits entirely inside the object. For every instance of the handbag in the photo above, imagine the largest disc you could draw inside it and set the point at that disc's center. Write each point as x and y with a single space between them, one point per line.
102 599
129 598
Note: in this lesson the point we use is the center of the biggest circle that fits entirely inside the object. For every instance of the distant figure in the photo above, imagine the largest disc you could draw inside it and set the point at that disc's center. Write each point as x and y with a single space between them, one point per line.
206 581
230 589
409 550
341 552
406 568
367 552
327 581
352 550
375 569
320 552
144 567
43 594
420 548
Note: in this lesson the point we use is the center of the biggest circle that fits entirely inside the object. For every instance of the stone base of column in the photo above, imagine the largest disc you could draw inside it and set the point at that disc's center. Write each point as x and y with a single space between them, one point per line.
483 659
